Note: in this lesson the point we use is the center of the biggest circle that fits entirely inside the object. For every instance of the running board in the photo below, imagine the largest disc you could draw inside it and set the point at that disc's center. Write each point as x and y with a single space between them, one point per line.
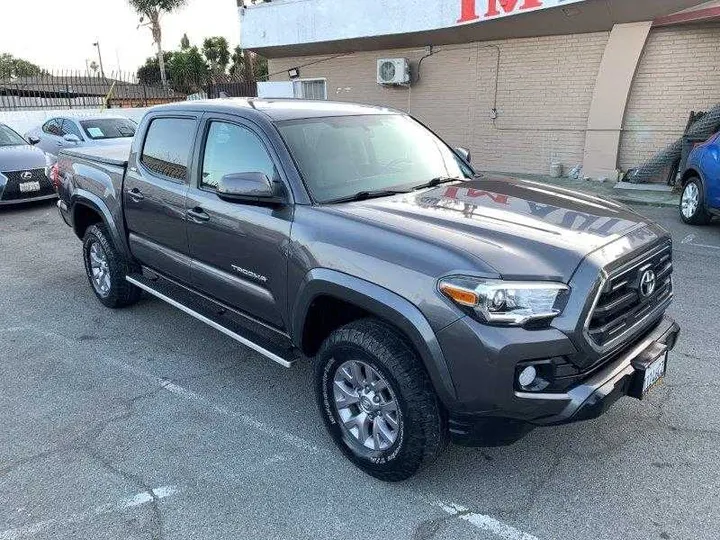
164 290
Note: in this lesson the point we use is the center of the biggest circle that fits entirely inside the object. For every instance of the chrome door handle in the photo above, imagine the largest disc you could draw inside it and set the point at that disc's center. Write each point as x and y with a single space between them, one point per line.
135 194
198 215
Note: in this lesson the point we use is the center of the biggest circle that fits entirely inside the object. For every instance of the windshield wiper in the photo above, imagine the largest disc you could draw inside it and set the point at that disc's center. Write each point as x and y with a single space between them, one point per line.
365 195
437 181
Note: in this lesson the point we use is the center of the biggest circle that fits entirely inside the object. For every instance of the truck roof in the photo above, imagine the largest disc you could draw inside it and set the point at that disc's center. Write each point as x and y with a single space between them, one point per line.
278 109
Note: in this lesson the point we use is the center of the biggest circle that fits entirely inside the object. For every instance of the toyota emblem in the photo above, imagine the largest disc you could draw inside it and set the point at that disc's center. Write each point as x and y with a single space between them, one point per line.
27 175
647 283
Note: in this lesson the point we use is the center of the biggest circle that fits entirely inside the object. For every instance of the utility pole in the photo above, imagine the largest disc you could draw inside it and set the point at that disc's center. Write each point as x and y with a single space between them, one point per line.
102 70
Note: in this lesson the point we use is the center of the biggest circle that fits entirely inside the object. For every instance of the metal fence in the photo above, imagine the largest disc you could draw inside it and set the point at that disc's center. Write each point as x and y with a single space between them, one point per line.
76 90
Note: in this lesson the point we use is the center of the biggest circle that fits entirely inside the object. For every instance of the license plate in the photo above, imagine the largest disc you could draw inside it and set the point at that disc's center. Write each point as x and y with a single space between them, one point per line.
654 373
29 187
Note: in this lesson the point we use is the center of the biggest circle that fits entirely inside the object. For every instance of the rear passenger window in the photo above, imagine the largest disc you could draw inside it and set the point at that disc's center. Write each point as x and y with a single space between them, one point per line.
53 127
168 145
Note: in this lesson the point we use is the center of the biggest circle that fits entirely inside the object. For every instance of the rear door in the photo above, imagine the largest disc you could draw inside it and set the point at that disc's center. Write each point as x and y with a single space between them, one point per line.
154 192
239 250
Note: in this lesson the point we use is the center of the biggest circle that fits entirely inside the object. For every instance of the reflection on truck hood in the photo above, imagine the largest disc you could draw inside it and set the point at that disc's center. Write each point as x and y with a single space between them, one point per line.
506 222
21 158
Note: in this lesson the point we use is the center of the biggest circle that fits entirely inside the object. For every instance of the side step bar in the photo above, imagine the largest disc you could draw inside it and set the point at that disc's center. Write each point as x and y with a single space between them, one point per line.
162 289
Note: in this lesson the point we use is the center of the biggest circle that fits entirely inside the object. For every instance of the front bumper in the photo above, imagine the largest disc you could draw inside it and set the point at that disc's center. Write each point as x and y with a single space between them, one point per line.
516 415
28 200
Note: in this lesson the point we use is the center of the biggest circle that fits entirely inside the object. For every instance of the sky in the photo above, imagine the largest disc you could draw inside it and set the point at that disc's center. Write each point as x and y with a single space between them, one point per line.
59 34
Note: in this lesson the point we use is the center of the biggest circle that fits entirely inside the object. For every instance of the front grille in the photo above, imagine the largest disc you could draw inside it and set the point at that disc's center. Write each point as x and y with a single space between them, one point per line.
12 188
621 303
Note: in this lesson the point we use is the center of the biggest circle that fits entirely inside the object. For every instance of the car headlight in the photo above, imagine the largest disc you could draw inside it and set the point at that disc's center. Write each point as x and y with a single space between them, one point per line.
508 303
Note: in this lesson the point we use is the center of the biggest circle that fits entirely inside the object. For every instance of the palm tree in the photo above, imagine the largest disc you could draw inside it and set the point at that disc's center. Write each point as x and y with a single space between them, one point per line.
151 10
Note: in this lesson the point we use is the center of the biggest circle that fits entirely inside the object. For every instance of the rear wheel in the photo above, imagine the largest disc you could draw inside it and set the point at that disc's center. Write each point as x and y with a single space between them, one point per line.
692 203
106 269
377 401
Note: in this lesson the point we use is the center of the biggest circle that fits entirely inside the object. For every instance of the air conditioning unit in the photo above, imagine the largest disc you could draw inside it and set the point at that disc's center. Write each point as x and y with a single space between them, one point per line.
393 71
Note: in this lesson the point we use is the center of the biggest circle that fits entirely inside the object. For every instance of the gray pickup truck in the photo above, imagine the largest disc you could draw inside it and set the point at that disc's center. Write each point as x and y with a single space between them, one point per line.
436 303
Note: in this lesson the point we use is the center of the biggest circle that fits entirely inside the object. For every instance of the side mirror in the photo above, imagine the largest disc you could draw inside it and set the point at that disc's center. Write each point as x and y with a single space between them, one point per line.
72 138
464 153
33 140
248 187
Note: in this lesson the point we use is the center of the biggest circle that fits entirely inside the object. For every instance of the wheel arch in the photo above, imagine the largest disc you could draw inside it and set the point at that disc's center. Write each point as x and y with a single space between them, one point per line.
88 209
364 298
692 172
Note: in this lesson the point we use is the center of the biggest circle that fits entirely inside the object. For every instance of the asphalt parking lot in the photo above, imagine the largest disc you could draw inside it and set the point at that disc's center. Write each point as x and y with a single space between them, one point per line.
144 423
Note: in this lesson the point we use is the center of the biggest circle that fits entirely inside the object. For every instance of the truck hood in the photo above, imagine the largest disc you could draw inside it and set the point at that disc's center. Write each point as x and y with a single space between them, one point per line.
519 229
21 158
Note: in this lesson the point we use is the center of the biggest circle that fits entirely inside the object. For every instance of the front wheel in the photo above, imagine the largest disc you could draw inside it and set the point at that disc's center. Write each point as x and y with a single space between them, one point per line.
377 401
692 203
106 269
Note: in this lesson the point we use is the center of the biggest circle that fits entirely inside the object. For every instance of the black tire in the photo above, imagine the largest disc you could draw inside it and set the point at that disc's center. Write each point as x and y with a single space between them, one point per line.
422 433
121 293
700 215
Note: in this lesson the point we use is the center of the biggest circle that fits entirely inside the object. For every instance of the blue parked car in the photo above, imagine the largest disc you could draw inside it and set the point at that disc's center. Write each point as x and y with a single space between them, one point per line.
701 183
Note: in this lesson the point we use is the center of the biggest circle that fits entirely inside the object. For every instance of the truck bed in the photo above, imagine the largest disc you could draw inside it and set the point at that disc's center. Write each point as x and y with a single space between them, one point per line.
110 155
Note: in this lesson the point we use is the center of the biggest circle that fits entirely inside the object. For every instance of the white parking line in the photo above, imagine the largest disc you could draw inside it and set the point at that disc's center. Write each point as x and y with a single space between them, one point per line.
124 504
486 523
289 438
688 240
189 395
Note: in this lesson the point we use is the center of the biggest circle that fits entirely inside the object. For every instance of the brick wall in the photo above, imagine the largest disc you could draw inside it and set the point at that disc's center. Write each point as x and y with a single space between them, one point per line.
679 72
545 88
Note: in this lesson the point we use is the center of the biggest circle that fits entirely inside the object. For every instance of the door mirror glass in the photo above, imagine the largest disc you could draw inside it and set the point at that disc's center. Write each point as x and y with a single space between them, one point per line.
33 140
464 153
247 187
71 138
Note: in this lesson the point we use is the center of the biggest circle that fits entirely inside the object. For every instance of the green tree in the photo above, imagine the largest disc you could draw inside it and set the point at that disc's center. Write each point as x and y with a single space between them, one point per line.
247 66
152 10
188 70
217 53
149 73
11 67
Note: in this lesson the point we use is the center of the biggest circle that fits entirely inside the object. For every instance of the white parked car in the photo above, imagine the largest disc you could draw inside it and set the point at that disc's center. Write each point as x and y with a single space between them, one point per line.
65 132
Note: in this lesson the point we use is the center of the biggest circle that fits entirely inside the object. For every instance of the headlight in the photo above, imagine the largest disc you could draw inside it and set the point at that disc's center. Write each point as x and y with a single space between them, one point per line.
506 302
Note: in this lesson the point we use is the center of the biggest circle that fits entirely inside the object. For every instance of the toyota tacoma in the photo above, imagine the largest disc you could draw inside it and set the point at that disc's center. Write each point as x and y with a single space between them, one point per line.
436 303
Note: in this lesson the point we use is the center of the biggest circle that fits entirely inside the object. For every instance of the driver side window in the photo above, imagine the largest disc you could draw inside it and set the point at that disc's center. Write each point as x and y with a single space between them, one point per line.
232 149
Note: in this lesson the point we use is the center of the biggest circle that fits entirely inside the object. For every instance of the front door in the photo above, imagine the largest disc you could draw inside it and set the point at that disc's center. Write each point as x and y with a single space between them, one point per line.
238 249
154 192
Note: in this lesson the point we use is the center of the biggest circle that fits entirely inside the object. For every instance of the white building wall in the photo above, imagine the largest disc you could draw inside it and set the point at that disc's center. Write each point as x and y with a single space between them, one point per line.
266 25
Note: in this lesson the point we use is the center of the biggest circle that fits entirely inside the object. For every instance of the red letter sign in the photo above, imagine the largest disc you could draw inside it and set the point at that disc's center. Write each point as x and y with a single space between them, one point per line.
509 5
467 11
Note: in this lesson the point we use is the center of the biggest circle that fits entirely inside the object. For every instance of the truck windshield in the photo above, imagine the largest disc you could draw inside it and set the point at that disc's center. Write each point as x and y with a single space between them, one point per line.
108 128
343 156
9 138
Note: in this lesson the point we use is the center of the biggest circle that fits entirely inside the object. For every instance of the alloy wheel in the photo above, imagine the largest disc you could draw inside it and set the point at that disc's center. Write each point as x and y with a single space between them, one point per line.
366 405
690 200
100 269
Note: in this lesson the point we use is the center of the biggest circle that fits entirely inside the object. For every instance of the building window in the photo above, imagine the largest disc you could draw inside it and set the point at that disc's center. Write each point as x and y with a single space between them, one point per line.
310 89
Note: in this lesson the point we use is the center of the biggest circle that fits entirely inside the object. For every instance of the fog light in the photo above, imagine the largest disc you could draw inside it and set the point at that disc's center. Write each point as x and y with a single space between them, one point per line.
527 376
